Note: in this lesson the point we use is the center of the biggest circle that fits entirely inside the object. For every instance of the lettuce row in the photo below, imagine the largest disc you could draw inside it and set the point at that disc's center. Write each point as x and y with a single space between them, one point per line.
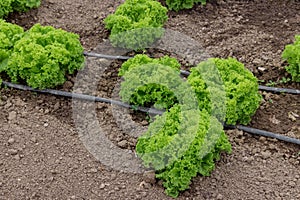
182 4
189 136
7 6
202 146
241 86
291 53
43 56
185 140
224 87
136 24
142 84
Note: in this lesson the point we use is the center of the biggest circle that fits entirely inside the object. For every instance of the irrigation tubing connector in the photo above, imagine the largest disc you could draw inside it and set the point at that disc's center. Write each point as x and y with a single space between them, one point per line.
143 109
187 73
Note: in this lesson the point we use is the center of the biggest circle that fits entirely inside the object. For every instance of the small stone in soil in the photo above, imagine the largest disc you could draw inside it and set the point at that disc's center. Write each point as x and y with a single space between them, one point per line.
261 69
94 170
149 176
240 133
262 139
292 184
266 154
12 151
257 62
12 115
102 186
68 85
56 106
144 123
33 139
17 157
219 197
11 140
122 143
143 184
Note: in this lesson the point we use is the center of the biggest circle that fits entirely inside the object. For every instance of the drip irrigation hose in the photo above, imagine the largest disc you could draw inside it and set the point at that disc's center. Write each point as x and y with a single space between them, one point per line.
278 90
255 131
187 73
83 97
143 109
110 57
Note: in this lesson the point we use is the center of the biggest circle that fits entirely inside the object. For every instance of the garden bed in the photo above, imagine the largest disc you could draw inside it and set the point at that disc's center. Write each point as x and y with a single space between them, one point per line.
43 157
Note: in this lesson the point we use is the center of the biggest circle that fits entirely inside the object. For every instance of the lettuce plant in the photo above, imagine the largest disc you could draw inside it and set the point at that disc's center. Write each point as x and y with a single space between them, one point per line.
182 4
136 24
24 5
43 56
181 144
9 35
241 88
291 53
142 87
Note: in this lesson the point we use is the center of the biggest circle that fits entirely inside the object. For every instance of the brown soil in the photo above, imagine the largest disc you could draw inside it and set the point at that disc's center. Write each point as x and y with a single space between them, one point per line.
42 156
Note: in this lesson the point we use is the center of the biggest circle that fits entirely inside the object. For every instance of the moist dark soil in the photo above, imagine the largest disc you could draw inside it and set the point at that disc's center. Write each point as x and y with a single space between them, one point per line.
43 157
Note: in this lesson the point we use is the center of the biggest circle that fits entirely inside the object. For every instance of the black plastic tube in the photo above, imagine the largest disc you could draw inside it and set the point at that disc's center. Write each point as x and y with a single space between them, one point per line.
83 97
143 109
187 73
268 134
279 90
259 132
110 57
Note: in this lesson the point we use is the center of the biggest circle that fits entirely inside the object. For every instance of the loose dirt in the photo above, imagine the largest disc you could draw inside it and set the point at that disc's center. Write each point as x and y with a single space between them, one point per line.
42 156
